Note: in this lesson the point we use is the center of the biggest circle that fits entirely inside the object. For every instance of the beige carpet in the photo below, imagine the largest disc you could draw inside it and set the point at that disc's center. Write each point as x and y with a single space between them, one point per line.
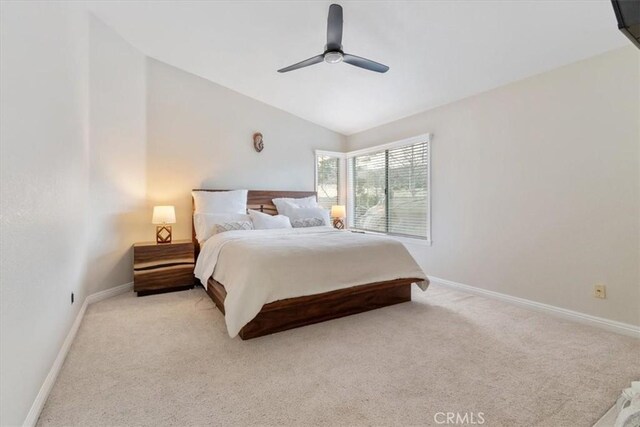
167 360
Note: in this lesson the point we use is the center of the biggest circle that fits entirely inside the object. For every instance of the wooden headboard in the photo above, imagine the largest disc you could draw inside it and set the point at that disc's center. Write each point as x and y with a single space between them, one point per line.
259 200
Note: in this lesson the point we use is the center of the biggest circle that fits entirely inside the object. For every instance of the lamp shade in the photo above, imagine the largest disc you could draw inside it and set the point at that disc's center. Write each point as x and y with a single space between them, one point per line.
338 211
164 215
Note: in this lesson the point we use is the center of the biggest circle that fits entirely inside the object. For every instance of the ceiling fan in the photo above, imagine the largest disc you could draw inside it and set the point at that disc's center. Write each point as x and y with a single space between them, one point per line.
333 53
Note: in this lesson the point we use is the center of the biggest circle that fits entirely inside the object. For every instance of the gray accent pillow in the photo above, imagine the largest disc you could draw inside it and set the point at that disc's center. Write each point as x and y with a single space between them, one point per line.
307 222
232 226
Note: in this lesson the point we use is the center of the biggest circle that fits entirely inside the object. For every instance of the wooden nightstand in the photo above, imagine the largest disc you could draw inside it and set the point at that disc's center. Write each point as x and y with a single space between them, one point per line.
162 267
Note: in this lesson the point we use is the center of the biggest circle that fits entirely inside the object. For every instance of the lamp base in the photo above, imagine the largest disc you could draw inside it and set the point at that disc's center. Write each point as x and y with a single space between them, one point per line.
163 234
338 223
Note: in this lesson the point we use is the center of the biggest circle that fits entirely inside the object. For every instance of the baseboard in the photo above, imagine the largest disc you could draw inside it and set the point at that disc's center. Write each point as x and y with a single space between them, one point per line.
611 325
41 398
108 293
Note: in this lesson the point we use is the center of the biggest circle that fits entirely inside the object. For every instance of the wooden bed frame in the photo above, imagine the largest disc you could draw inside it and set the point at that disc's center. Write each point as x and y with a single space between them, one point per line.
295 312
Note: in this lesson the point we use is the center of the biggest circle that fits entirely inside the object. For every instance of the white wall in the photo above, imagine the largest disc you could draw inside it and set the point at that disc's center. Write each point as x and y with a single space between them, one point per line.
43 185
200 135
536 186
117 156
72 180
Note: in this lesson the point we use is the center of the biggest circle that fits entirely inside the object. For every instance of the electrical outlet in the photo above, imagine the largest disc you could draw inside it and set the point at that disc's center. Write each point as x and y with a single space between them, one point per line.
600 291
72 298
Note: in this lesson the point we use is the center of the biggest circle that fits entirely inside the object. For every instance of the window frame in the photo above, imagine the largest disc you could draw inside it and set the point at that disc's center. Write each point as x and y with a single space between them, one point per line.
349 156
342 170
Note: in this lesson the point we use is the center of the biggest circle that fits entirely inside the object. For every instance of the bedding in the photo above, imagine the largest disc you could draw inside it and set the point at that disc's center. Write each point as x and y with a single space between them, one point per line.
220 202
307 222
263 221
261 266
232 226
295 213
284 204
205 224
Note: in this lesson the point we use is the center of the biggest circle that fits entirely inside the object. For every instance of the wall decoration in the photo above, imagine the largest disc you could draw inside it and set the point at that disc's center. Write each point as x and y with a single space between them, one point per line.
257 142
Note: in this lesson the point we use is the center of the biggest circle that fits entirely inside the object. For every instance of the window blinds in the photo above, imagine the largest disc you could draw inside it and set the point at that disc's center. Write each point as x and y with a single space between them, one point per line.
389 191
407 190
327 180
368 192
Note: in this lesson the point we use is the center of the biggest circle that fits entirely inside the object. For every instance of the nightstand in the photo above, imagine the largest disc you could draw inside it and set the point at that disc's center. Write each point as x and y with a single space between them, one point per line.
162 267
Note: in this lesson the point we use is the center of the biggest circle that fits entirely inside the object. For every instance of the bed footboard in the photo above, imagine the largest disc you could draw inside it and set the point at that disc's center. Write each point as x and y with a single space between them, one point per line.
295 312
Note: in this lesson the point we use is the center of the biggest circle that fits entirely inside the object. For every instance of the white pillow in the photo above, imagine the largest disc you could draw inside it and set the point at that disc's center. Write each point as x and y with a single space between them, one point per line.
205 224
283 203
220 202
295 213
263 221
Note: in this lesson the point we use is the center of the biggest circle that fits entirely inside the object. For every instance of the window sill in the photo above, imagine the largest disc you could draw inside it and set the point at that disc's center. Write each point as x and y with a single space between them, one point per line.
414 241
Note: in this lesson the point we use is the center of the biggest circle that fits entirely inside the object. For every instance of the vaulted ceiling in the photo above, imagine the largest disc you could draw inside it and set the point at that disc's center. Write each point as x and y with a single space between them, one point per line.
438 51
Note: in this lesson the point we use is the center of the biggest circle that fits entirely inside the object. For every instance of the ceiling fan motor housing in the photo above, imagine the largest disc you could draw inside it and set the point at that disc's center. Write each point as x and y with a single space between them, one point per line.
333 57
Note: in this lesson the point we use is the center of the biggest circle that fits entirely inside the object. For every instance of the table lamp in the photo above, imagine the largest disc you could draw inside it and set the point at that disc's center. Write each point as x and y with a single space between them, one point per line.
163 215
338 213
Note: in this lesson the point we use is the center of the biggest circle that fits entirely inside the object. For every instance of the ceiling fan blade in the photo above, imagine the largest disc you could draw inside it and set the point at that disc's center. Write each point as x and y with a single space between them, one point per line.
316 59
334 28
365 63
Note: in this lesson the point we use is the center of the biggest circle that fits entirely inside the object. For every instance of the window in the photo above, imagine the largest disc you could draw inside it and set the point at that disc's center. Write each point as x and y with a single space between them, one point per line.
328 180
368 195
389 190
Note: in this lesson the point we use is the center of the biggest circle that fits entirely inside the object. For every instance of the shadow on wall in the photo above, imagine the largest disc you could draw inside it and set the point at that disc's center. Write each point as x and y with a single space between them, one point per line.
110 258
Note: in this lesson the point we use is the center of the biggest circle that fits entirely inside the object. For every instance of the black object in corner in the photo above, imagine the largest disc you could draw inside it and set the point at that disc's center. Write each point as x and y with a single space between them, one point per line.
628 16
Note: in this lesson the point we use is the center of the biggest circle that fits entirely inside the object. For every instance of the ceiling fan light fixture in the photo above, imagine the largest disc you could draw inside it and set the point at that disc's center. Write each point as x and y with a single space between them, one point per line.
333 57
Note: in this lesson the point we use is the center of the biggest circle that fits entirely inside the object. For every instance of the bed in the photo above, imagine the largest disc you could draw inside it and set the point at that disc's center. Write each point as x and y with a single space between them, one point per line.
283 279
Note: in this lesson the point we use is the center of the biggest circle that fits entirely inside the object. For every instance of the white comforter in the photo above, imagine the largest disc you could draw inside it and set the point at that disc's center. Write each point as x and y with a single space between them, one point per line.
257 267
